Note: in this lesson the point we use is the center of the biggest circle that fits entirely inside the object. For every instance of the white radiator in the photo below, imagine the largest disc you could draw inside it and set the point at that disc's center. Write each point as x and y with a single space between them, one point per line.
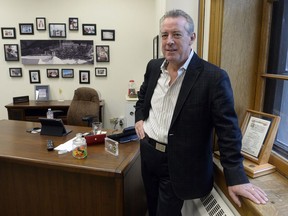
211 205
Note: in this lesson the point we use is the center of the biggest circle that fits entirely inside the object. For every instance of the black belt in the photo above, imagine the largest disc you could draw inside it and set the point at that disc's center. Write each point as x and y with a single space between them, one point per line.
162 147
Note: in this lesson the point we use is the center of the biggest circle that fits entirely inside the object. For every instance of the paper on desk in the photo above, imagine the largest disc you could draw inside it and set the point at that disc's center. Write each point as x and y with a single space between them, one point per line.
65 147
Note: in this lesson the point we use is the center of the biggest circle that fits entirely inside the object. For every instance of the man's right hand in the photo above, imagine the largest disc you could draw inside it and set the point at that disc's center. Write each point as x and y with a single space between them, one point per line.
139 129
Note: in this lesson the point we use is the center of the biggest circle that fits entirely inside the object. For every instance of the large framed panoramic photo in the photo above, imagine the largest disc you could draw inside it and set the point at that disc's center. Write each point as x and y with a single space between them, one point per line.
57 52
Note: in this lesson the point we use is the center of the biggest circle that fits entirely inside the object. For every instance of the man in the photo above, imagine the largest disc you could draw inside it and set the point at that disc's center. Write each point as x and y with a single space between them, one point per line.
182 99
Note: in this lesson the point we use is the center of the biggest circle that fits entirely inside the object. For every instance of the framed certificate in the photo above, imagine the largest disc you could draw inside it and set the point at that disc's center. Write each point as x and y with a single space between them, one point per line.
259 131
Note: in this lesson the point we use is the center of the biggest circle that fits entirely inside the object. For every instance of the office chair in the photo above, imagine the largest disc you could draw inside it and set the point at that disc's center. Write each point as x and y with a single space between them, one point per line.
84 108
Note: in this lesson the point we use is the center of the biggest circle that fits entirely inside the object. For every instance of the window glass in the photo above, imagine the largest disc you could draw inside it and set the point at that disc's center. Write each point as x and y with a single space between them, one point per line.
276 91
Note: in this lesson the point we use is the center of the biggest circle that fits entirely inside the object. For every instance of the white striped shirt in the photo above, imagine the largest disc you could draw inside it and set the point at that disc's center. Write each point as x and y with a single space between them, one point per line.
163 103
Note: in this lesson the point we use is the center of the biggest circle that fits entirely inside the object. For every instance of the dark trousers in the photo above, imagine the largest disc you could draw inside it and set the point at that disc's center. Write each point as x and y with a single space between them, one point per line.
161 198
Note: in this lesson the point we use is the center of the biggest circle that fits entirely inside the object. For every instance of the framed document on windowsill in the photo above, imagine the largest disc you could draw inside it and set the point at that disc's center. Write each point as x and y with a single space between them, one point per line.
254 136
259 131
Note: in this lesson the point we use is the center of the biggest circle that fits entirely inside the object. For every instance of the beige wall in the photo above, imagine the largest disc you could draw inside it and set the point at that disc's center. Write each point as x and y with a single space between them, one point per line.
135 23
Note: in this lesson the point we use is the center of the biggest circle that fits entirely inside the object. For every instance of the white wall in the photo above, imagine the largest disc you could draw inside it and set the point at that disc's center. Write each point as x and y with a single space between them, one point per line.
133 22
136 24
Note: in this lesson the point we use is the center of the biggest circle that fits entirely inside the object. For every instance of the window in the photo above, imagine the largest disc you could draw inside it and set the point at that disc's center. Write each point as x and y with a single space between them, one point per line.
276 90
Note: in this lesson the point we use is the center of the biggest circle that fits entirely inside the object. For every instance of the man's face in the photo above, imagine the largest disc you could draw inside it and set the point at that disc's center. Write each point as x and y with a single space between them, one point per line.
176 42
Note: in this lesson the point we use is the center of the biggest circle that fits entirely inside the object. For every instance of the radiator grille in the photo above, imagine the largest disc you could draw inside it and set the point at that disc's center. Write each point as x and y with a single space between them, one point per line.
212 206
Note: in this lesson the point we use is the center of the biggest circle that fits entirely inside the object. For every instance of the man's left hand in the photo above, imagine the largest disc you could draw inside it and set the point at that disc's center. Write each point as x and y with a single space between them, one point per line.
252 192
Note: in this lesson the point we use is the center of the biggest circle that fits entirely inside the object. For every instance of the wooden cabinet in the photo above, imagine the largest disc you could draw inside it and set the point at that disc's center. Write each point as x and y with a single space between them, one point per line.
32 110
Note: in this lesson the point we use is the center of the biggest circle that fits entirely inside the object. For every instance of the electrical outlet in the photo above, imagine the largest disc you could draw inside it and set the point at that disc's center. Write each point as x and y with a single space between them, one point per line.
121 122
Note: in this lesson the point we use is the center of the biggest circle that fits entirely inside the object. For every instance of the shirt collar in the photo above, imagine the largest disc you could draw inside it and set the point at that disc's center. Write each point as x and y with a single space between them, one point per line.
183 67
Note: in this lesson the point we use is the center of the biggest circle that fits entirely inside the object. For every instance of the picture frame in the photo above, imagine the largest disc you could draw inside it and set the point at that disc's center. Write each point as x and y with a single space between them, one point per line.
54 52
102 53
26 28
101 72
8 33
41 23
11 52
57 30
67 73
73 24
89 29
84 77
15 72
42 93
107 35
52 73
34 76
266 146
155 47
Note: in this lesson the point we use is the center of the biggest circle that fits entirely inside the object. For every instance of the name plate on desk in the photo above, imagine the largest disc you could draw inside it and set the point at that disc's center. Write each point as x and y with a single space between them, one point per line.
21 99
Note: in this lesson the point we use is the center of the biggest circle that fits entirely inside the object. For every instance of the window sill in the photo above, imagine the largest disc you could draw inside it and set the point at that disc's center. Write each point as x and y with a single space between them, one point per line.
274 184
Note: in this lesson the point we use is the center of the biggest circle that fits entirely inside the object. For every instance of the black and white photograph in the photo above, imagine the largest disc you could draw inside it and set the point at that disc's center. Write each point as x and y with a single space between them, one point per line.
73 24
57 30
102 53
53 73
26 28
34 76
89 29
11 52
84 77
67 73
57 52
107 35
15 72
40 23
8 33
100 71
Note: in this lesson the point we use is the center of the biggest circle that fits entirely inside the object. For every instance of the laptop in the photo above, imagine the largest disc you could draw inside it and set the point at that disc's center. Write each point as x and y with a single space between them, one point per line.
92 139
53 127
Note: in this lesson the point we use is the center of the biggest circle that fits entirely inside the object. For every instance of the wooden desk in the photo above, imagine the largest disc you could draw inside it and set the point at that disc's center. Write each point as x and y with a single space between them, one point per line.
34 181
32 110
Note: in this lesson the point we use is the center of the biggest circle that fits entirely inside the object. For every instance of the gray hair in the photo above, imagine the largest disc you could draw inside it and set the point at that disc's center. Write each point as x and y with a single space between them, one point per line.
189 27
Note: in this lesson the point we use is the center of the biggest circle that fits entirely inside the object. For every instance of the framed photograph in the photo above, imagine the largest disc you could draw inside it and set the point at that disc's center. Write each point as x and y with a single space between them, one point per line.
89 29
54 52
8 33
101 72
53 73
57 30
102 53
155 47
67 73
84 77
34 76
73 24
40 23
11 52
26 28
41 92
15 72
107 35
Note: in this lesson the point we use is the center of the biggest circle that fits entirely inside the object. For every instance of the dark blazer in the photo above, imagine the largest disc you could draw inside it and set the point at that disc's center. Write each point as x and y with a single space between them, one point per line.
205 102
